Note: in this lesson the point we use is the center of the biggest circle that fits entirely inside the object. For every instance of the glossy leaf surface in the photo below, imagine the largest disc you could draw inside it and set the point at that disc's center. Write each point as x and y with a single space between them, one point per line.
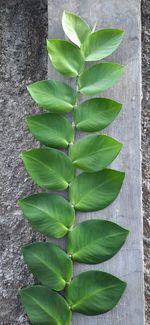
95 241
75 28
55 96
49 168
65 57
92 192
49 264
99 77
44 306
101 43
48 213
94 152
51 129
94 292
96 114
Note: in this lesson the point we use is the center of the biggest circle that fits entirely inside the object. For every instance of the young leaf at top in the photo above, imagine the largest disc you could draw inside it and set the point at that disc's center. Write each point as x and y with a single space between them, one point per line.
49 168
99 77
44 306
55 96
92 192
95 241
94 292
48 213
94 152
96 114
75 28
49 264
65 57
51 129
101 43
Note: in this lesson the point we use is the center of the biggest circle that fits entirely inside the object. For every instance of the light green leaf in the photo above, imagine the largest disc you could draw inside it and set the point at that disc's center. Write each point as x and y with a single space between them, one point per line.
94 292
49 168
95 241
65 57
44 306
92 192
51 129
101 43
48 213
55 96
49 264
99 77
75 28
94 152
96 114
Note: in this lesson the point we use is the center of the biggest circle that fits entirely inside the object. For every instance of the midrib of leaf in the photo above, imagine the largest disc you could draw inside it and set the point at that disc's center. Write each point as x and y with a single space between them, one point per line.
91 295
100 115
59 100
45 212
96 241
102 48
48 128
92 153
92 190
50 268
49 169
43 308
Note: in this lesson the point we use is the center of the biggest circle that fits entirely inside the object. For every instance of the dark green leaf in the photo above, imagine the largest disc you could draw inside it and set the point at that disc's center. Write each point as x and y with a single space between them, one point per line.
101 43
48 213
92 192
49 263
94 152
45 307
51 129
95 241
99 77
65 57
49 168
94 292
75 28
96 114
55 96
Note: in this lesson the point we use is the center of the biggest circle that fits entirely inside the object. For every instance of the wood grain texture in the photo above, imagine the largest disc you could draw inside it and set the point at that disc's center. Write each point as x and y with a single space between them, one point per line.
126 210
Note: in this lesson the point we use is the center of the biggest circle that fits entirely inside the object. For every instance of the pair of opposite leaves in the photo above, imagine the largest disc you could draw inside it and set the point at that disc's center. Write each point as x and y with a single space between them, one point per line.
93 277
90 293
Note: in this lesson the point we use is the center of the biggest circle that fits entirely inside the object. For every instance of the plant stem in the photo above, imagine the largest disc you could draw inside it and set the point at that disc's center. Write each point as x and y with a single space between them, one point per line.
74 127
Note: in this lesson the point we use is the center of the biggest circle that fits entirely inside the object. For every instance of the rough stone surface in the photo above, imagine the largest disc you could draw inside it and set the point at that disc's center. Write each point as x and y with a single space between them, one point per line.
146 147
23 31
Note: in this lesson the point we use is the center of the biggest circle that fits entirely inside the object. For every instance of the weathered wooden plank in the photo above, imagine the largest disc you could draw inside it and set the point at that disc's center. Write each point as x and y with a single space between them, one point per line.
126 210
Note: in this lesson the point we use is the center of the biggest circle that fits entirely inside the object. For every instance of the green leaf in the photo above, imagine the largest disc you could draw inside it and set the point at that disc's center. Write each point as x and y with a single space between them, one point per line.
99 77
55 96
94 152
95 241
51 129
96 114
94 292
49 168
44 306
92 192
101 43
50 264
48 213
75 28
65 57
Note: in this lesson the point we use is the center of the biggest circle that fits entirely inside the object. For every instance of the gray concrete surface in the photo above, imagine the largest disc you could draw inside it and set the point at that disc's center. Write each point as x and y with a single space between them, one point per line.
23 30
146 147
126 210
